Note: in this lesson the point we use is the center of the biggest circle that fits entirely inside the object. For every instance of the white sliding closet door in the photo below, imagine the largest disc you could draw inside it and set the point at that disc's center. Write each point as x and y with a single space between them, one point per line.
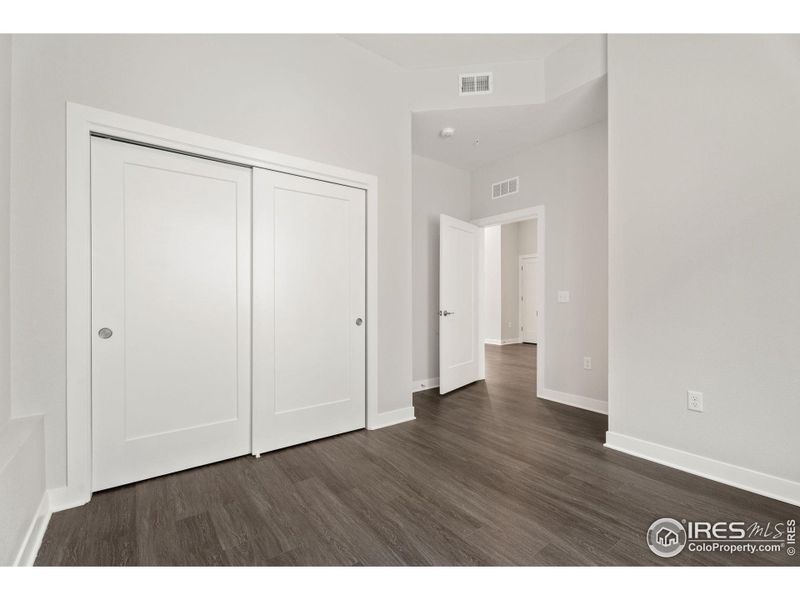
309 317
170 333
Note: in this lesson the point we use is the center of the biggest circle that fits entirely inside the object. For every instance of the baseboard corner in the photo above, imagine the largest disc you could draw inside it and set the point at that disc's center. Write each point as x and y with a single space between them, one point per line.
506 342
29 549
392 417
64 498
584 402
424 384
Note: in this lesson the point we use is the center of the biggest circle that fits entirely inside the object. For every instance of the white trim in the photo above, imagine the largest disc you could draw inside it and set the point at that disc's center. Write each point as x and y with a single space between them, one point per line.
520 259
82 121
424 384
393 417
481 297
64 498
493 342
33 537
770 486
523 214
584 402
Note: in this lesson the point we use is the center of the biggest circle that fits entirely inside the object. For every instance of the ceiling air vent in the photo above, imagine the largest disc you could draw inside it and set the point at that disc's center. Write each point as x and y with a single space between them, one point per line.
505 188
472 84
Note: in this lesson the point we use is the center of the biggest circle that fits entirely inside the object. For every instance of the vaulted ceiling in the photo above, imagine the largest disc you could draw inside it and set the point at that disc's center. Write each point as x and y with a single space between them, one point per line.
421 51
505 130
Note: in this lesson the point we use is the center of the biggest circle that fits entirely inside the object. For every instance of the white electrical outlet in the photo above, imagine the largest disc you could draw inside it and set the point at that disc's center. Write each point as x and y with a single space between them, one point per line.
587 362
563 296
694 401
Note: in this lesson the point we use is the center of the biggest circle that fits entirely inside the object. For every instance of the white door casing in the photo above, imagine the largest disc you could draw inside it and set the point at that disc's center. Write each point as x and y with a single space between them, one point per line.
171 281
528 298
459 250
309 320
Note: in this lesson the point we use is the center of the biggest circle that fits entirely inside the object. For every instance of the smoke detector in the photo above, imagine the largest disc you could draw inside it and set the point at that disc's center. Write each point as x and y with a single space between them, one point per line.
447 132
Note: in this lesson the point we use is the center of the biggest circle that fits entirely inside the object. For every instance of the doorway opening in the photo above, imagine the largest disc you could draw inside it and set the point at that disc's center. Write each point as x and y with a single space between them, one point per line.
472 172
510 307
474 311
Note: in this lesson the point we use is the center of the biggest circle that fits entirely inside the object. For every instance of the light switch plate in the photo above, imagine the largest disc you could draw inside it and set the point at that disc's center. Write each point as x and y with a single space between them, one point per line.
587 362
563 296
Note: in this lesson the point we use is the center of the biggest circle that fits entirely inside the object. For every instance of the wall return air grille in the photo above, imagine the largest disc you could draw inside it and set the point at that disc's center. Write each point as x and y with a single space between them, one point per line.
505 188
472 84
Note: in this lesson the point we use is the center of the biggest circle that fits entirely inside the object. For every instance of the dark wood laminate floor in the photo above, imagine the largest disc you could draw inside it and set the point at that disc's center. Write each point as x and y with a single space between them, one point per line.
487 475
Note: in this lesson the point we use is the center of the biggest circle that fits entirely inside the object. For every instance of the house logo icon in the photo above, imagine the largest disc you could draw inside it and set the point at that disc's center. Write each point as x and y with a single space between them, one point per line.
666 537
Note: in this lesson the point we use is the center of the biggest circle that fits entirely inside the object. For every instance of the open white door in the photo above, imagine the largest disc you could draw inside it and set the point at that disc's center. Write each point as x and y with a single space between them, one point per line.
458 303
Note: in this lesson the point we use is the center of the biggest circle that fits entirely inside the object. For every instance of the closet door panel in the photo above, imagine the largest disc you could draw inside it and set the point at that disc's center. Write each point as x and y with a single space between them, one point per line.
170 312
308 309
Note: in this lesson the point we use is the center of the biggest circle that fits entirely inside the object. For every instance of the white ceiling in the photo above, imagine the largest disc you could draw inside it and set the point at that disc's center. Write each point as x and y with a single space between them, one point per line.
420 51
507 130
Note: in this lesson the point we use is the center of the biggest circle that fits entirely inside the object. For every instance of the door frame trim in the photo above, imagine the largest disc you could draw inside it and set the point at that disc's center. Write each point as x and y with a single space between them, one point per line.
81 123
514 216
520 259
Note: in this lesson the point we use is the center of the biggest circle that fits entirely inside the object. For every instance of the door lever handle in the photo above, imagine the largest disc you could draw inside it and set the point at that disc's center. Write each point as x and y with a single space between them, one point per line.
444 313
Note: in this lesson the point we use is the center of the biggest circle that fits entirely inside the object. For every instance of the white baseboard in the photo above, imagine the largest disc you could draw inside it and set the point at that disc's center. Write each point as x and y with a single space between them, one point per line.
33 537
64 498
494 342
393 417
584 402
424 384
740 477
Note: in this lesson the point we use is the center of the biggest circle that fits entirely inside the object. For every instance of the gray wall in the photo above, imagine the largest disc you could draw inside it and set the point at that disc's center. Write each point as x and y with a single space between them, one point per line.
21 440
516 239
567 175
528 237
493 288
503 245
5 162
319 97
704 140
437 189
509 257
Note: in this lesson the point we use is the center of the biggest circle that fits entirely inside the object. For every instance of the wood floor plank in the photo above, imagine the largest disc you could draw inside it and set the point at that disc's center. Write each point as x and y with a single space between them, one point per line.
486 475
